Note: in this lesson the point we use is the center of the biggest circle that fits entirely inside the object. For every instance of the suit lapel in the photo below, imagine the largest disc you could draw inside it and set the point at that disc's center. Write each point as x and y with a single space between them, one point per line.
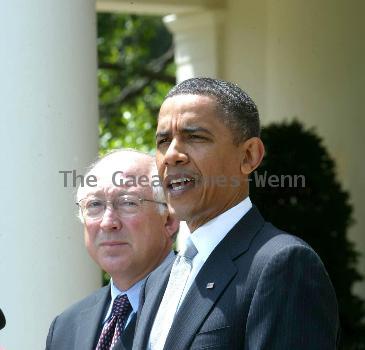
90 320
154 290
199 301
220 269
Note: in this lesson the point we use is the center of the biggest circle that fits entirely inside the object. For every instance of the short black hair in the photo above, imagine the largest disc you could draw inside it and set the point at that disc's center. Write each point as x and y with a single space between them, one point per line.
236 108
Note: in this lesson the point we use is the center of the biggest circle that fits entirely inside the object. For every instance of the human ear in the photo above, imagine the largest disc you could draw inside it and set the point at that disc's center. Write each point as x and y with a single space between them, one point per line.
253 151
172 225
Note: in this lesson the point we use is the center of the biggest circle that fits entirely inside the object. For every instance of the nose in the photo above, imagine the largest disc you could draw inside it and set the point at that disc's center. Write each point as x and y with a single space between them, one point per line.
110 221
176 154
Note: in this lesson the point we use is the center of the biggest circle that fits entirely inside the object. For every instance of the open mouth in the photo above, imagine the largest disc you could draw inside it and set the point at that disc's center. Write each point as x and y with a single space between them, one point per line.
180 183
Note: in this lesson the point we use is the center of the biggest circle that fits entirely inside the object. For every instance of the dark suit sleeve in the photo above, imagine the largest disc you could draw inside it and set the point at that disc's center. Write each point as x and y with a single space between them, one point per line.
50 335
294 305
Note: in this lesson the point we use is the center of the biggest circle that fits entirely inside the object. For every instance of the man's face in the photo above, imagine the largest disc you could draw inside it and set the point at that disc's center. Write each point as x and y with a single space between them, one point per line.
128 248
197 159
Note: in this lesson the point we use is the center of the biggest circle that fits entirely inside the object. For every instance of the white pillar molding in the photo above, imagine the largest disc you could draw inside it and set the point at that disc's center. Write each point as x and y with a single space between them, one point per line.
158 7
197 43
197 53
48 123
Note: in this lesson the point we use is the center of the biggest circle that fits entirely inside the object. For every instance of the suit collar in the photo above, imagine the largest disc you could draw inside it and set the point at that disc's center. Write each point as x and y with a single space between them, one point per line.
154 288
90 320
203 238
219 269
238 240
200 299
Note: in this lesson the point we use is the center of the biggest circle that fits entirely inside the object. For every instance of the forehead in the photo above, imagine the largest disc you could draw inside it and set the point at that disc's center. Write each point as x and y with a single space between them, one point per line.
188 109
119 173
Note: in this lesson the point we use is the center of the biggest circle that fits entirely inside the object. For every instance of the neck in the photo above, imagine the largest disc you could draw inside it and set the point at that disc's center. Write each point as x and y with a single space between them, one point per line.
203 218
124 281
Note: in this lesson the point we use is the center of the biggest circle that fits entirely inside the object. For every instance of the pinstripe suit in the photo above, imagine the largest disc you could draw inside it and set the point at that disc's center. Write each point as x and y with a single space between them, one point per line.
271 291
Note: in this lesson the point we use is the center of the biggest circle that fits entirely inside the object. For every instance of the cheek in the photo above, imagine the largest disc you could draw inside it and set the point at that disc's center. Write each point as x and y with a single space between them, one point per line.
135 229
226 162
159 163
146 232
211 165
90 235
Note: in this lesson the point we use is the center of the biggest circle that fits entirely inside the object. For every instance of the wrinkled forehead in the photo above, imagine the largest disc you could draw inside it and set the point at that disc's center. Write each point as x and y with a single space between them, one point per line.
110 177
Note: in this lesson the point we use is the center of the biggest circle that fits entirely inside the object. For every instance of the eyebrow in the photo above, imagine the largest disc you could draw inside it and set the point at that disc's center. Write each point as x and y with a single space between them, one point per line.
185 130
120 193
162 134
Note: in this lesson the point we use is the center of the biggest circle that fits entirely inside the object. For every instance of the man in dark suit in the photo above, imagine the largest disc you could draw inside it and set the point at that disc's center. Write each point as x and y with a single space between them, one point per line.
128 231
246 284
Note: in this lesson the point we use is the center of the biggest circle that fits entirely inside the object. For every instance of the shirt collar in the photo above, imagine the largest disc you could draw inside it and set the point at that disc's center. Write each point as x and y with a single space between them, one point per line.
209 235
132 293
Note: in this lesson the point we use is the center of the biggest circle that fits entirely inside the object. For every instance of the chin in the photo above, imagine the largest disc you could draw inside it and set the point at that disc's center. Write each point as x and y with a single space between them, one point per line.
113 264
183 213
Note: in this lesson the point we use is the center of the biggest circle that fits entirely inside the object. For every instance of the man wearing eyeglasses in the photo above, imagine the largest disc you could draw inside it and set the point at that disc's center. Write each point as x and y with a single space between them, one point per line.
128 231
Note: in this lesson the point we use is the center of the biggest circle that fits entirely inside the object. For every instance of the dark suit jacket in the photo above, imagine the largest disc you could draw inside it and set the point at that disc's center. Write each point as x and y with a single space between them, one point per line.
79 327
271 291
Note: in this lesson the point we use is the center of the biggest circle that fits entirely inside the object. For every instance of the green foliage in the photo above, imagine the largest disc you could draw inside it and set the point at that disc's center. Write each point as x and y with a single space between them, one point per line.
320 213
135 72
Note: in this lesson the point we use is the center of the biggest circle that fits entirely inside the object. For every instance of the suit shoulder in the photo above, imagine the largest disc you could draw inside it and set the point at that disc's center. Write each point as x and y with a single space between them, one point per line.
283 254
278 239
275 243
85 303
162 269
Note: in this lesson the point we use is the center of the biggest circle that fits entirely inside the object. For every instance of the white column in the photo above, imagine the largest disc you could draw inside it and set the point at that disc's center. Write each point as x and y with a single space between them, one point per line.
48 123
197 43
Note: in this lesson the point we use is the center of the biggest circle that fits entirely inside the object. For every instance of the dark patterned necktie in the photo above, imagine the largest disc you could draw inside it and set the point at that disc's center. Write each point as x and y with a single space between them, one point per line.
113 328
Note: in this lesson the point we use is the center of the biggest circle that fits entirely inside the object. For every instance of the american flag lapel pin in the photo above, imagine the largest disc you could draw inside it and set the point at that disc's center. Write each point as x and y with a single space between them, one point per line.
210 285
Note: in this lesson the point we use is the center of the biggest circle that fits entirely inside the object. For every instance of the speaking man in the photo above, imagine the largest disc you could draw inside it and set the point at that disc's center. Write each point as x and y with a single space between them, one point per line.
239 282
128 232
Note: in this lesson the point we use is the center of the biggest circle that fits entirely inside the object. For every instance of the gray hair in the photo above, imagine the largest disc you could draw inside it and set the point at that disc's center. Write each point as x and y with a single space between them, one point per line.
156 186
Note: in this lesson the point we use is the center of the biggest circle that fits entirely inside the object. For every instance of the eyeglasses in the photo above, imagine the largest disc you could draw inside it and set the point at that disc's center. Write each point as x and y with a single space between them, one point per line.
125 205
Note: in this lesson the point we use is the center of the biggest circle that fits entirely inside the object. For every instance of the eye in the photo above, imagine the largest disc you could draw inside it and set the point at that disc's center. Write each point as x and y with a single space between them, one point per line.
127 203
162 141
195 137
94 207
94 204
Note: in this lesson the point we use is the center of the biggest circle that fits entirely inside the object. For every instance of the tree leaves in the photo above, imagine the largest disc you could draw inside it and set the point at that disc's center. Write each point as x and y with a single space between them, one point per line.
135 72
320 212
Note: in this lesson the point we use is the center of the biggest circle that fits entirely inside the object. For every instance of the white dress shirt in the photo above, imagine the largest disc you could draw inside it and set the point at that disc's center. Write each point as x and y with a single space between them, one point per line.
208 236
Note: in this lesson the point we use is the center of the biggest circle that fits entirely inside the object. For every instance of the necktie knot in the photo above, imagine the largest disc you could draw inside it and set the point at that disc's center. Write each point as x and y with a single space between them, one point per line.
189 251
121 306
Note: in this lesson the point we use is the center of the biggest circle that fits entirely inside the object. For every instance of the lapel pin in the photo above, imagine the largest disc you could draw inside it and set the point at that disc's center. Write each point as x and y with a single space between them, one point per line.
210 285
